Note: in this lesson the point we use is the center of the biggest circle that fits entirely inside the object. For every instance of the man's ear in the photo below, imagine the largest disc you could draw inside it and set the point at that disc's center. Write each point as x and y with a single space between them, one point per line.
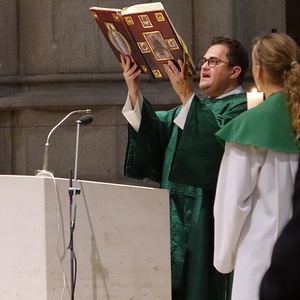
236 71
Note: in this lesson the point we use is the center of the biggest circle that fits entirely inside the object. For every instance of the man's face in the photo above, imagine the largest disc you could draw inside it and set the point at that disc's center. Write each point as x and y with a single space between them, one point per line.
216 81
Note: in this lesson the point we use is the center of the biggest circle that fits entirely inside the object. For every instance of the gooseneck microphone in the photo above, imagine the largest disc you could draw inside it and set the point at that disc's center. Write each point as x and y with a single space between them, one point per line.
86 118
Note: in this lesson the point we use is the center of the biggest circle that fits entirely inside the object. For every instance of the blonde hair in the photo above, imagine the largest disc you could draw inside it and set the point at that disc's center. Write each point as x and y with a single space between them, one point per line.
279 55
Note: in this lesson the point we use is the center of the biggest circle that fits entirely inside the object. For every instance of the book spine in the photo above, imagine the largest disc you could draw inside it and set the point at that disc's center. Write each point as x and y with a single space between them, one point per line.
135 52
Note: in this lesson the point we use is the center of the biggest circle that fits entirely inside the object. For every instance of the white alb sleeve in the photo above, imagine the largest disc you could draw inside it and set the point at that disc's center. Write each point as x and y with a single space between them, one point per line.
133 115
181 118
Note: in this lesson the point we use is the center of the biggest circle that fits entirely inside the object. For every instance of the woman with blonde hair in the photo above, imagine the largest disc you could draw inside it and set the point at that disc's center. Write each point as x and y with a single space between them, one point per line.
256 178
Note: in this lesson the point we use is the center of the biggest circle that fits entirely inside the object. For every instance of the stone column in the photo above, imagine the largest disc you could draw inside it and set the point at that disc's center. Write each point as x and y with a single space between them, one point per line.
257 17
9 63
211 18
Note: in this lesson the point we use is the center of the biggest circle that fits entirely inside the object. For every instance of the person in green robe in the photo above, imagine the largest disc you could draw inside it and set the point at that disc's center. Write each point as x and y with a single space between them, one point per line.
178 149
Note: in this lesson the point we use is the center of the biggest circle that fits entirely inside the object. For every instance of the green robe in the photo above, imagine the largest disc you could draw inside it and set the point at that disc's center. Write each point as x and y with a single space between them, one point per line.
186 162
268 125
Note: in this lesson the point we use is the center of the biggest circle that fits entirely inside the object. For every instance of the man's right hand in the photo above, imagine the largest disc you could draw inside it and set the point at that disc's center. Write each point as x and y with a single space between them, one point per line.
181 83
131 74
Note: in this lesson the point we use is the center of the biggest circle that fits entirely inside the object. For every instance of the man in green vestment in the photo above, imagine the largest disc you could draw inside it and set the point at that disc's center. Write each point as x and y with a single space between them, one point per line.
178 149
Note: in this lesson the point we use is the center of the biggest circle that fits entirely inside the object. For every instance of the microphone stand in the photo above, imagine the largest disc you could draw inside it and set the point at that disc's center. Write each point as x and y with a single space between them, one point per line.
73 260
73 191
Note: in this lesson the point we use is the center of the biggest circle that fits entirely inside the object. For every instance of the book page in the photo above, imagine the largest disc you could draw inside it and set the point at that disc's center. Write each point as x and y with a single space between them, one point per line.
145 7
105 9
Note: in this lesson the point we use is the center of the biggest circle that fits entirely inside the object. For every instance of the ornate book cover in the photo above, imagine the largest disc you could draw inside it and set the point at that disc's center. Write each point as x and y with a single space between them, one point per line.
146 34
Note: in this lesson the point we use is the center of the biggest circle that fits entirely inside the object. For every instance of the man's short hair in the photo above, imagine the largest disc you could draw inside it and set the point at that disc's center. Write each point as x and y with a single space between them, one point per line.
237 55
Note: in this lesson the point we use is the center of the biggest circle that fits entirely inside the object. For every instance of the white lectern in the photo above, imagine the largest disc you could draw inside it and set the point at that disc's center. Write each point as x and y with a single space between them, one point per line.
121 240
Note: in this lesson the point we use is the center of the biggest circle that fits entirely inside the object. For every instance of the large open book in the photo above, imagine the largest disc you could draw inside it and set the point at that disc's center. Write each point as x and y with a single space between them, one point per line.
146 34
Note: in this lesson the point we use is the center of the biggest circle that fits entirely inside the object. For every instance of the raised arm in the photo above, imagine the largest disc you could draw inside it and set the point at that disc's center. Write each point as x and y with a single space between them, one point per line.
181 83
131 74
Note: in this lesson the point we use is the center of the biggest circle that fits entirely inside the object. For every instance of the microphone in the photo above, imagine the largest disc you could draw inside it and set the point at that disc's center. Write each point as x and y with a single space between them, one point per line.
45 171
85 120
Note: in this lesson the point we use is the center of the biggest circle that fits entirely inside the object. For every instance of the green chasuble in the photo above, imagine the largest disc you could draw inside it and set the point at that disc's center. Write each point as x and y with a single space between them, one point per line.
186 162
268 125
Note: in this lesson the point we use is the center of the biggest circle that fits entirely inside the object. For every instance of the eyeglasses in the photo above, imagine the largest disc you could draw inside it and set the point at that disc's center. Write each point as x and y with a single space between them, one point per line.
211 62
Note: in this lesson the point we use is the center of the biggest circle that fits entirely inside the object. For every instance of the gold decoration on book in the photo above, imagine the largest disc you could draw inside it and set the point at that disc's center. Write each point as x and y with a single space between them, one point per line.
156 73
144 68
158 45
144 47
186 71
159 17
117 39
145 21
129 21
172 44
95 15
116 17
